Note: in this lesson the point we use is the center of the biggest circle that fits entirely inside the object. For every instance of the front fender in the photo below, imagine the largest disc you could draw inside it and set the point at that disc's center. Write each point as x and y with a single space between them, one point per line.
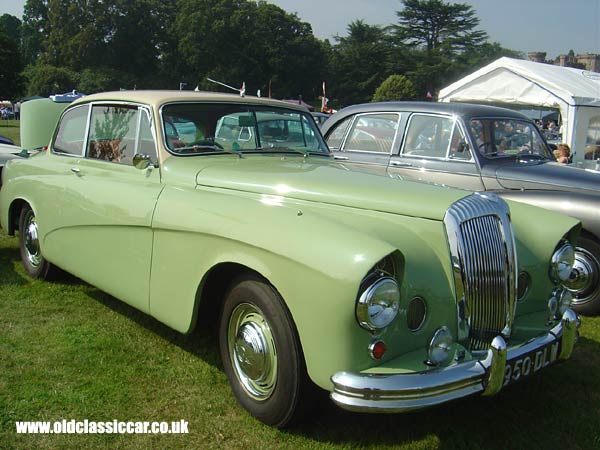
580 205
315 255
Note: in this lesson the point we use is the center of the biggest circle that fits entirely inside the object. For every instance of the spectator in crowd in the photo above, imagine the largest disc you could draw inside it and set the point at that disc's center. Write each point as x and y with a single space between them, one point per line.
562 153
17 110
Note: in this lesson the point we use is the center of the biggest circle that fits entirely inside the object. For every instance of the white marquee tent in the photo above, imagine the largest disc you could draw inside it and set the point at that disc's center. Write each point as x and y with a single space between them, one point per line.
510 82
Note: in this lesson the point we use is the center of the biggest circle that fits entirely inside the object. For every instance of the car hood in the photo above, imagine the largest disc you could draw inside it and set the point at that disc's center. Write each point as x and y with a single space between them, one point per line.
318 180
548 175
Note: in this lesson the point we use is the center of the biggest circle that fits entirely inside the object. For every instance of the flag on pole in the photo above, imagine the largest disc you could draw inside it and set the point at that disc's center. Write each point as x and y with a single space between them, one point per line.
324 100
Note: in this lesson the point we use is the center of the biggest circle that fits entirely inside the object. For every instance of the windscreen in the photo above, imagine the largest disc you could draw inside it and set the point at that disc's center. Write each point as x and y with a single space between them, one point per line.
200 128
505 137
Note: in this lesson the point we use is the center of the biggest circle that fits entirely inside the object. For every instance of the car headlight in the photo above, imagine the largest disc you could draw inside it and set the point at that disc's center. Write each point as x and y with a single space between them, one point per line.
561 264
378 305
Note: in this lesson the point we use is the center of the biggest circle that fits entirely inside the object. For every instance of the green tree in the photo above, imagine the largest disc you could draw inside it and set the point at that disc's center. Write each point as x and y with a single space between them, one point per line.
11 26
359 63
395 87
480 56
124 41
437 32
10 68
34 29
45 79
240 40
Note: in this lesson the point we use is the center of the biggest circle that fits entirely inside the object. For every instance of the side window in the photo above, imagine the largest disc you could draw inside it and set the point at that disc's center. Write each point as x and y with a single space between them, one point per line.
428 136
459 149
71 131
373 133
112 134
334 140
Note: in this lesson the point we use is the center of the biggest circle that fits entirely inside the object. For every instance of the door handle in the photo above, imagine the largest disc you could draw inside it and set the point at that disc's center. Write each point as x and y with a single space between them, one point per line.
400 164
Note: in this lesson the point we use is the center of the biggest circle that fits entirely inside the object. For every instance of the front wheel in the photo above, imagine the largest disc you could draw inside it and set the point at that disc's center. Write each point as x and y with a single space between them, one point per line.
585 286
261 354
34 263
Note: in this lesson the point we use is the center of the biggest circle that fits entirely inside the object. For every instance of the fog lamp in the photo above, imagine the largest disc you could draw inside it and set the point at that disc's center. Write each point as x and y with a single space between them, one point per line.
553 306
440 347
565 299
562 263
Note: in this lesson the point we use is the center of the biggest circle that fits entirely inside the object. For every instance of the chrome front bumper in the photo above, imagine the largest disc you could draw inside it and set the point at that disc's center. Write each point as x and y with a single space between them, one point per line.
371 392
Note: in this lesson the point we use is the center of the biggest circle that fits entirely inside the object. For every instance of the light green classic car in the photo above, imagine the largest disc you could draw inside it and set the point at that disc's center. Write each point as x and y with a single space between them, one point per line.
202 209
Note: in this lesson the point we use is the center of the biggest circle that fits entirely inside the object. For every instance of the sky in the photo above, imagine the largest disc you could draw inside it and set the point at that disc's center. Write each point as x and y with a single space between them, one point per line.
551 26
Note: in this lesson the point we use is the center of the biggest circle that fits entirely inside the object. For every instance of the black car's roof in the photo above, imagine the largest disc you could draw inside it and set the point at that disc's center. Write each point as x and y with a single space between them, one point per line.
466 110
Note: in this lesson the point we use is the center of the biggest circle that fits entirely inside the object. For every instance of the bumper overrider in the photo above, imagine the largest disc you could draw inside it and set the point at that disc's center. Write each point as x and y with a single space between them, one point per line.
372 392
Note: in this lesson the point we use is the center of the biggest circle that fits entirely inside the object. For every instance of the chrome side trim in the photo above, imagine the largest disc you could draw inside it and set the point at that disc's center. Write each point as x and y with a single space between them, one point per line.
401 392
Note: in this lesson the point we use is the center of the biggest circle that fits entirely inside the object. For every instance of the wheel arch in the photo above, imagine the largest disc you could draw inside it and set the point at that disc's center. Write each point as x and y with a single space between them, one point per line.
211 293
13 214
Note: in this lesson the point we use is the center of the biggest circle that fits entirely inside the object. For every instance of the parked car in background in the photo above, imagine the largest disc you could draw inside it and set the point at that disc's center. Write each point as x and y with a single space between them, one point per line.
320 117
211 210
7 141
6 113
480 148
8 152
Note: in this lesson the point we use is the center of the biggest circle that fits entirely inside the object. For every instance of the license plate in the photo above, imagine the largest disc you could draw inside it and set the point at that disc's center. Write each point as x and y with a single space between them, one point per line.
530 363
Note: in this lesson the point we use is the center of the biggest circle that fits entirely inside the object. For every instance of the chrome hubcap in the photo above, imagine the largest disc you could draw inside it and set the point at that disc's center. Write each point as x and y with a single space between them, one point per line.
31 241
252 351
585 276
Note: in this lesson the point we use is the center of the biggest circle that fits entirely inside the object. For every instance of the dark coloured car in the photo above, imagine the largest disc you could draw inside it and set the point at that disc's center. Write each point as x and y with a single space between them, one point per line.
320 117
480 148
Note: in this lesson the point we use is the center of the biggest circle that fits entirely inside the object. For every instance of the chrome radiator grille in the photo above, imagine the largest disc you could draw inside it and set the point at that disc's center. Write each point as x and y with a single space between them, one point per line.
484 264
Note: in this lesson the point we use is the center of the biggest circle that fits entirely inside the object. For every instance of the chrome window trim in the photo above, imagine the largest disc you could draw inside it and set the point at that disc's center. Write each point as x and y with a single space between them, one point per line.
139 107
517 119
87 127
370 152
456 120
345 136
253 107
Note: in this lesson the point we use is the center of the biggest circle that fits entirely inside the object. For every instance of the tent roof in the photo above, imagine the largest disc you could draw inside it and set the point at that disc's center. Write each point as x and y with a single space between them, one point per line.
516 81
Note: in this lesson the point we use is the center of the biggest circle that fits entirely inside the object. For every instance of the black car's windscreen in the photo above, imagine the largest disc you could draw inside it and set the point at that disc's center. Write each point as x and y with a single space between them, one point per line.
504 137
198 128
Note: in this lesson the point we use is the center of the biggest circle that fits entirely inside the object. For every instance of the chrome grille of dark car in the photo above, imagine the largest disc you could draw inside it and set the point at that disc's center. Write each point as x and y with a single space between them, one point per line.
483 256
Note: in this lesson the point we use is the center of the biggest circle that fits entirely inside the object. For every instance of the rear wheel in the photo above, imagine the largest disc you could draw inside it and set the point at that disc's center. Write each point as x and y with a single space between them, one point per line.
261 354
34 263
585 287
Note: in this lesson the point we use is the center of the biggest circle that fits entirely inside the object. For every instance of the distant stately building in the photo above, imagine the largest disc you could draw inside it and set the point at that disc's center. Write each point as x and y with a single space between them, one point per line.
588 61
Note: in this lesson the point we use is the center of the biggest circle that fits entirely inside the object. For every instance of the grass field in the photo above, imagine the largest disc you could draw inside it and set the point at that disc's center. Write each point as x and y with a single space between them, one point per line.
69 351
10 129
